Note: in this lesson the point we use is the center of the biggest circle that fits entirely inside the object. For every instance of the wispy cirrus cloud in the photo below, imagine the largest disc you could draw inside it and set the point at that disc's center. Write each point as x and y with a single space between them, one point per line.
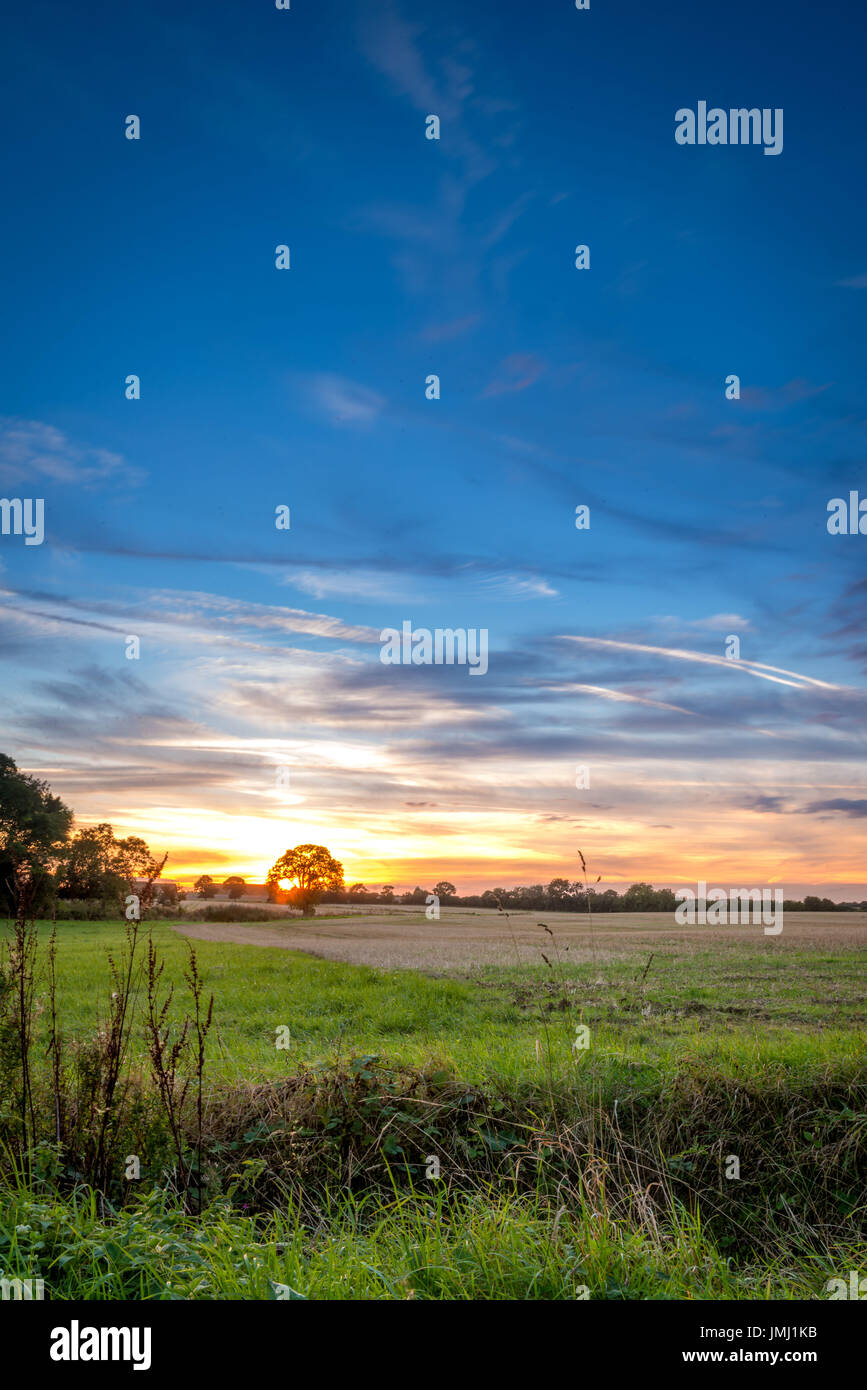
514 586
31 449
715 622
759 669
346 583
443 248
171 609
344 402
392 45
620 696
231 612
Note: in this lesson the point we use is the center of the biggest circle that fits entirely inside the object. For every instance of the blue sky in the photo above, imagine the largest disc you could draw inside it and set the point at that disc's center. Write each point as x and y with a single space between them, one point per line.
306 387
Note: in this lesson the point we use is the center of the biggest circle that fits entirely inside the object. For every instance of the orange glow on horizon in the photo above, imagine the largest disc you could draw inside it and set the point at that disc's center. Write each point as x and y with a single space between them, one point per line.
490 847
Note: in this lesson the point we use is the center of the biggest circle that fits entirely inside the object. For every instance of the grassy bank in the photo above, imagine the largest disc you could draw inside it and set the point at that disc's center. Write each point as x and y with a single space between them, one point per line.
484 1247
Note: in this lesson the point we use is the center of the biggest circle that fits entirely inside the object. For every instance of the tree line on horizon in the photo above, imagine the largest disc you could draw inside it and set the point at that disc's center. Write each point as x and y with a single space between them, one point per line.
560 895
43 865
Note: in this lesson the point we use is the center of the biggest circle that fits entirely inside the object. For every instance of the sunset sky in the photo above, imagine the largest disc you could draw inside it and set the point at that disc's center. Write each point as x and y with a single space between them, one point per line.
259 714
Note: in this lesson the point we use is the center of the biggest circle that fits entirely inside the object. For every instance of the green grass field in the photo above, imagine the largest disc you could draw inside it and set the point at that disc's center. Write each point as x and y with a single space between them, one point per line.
597 1168
740 1009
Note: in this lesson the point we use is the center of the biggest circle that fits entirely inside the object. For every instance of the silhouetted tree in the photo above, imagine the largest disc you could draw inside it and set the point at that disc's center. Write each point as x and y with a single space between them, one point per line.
641 897
312 870
34 828
444 890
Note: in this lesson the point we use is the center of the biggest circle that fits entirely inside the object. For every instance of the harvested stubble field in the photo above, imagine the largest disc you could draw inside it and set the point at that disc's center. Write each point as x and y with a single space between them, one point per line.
401 938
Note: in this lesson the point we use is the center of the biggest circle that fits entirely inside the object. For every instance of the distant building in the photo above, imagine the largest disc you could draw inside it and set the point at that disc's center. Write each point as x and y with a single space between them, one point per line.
252 892
141 883
257 892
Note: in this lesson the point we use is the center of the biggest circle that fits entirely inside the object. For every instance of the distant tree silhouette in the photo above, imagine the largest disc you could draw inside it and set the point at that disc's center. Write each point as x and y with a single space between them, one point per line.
444 890
418 895
641 897
559 890
312 870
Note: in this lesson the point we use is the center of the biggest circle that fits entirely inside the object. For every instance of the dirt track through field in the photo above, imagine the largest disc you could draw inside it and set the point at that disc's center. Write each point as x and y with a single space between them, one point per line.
464 939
